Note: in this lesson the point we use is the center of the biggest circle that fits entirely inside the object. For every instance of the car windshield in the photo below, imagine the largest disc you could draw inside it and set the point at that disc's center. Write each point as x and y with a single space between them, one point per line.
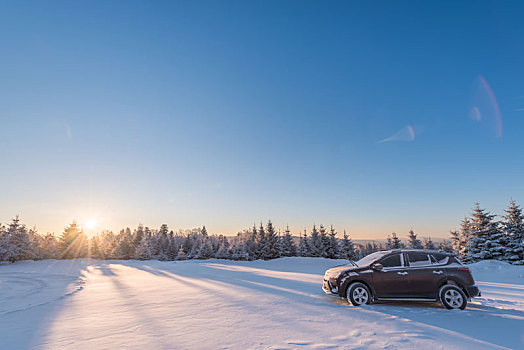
368 259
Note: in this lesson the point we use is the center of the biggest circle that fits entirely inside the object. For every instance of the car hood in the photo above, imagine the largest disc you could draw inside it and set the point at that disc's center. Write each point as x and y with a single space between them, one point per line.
337 270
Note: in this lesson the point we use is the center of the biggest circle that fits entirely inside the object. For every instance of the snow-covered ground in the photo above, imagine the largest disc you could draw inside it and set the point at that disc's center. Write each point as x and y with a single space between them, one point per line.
214 304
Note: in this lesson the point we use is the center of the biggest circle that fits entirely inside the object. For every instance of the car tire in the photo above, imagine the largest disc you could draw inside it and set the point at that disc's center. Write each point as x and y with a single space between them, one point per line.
452 297
358 294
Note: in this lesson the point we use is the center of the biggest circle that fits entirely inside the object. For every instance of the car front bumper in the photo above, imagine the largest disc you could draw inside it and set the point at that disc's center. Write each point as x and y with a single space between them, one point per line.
328 288
473 291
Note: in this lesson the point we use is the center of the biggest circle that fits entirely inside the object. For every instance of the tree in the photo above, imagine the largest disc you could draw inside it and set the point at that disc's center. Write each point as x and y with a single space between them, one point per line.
303 246
315 243
124 248
428 243
461 244
15 243
331 250
413 241
287 246
261 243
347 248
395 242
143 251
324 241
513 227
49 247
445 246
223 251
485 237
73 242
269 245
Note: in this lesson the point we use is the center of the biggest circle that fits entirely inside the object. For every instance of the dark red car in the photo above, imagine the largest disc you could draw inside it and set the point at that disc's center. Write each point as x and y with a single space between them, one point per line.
403 275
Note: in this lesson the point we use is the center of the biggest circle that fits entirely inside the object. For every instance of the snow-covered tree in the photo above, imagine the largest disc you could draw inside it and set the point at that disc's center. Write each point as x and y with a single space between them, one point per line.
125 248
413 241
73 242
485 237
286 244
315 243
49 248
269 249
331 249
513 227
303 246
223 251
347 248
143 252
15 243
445 246
428 243
395 242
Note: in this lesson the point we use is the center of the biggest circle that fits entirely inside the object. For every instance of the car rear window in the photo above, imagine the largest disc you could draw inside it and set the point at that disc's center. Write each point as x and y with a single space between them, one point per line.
418 259
391 261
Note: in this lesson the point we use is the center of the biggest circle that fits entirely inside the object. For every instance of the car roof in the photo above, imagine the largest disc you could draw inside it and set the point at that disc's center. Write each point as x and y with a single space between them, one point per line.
407 250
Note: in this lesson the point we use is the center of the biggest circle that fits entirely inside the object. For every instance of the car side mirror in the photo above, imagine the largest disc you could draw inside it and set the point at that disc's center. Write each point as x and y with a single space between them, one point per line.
377 266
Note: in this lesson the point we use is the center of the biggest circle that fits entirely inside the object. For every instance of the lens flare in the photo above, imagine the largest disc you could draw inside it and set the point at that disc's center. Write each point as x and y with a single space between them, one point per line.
484 108
405 134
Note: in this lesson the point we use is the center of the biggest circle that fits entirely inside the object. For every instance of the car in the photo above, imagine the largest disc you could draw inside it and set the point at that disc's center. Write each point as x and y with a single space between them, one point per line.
403 275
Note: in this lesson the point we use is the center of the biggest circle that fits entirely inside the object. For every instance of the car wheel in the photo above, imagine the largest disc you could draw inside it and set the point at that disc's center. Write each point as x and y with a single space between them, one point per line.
452 297
358 294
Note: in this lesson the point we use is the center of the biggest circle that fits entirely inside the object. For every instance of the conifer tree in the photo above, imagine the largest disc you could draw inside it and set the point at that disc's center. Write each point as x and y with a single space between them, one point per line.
73 242
287 246
181 255
414 243
428 244
324 241
261 243
445 246
331 250
464 238
49 247
395 242
315 244
347 248
513 226
303 247
124 248
223 251
15 243
485 237
271 249
143 251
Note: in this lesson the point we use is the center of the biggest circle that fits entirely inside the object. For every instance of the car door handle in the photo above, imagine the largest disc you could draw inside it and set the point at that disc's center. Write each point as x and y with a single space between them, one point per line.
438 272
402 273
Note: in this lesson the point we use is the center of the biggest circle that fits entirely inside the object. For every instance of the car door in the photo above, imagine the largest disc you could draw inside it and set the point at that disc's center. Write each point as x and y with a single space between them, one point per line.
393 280
424 275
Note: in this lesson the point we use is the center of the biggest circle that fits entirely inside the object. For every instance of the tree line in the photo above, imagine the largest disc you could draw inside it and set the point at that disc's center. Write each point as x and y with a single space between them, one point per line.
480 237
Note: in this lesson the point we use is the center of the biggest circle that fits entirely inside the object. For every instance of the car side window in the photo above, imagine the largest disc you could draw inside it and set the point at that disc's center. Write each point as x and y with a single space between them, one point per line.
391 261
418 259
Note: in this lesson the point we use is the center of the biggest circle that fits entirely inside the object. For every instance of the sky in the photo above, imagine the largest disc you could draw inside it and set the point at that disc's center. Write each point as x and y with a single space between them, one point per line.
374 117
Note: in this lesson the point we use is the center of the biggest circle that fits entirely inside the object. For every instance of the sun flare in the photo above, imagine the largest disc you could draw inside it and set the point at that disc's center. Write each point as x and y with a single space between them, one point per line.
90 224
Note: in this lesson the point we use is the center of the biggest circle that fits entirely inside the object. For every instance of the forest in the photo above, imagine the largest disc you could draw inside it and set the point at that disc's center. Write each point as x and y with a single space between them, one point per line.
480 237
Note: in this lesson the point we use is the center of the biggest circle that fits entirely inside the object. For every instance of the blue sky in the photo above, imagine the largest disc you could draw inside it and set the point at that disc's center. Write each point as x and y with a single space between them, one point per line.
228 113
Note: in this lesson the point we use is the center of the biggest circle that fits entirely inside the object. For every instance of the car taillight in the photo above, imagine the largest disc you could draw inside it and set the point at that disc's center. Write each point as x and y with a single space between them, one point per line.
464 269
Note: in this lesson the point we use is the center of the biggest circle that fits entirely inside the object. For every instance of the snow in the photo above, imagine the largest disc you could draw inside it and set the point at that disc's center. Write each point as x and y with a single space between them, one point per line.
217 304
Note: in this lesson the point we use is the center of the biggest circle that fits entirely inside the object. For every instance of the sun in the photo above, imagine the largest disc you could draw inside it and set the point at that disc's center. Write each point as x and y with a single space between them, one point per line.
90 224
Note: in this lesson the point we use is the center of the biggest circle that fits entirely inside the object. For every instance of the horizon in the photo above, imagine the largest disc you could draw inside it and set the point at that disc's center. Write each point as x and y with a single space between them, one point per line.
371 117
